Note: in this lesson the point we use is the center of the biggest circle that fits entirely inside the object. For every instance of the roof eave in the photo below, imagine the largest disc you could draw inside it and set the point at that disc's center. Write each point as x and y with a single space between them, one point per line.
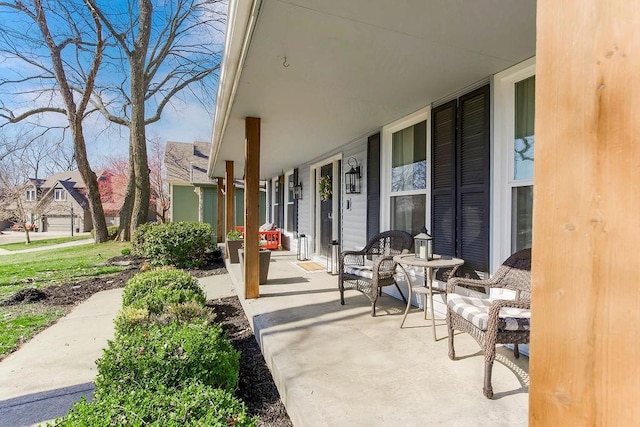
241 21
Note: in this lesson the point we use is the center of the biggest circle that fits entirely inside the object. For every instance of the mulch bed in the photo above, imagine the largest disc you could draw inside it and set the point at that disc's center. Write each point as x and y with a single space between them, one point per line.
255 386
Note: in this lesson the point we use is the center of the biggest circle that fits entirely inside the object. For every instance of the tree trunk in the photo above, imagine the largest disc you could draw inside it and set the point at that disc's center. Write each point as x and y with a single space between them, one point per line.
91 181
138 139
124 232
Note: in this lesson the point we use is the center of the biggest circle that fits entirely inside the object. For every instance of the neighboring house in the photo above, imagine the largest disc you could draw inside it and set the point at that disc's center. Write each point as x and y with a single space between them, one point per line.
449 88
59 202
193 195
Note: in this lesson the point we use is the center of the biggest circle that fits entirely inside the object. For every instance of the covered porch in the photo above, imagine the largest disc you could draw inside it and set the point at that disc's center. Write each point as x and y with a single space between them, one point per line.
337 365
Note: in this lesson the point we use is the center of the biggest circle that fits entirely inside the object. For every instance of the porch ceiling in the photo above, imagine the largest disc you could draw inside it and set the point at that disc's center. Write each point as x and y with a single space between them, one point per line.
353 66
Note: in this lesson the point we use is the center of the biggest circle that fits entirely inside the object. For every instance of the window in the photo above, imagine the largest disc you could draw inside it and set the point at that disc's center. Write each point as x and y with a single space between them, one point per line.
290 202
409 178
31 195
522 174
59 194
278 201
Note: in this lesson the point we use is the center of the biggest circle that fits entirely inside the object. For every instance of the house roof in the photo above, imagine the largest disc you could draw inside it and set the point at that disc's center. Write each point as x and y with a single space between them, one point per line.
75 192
320 74
187 162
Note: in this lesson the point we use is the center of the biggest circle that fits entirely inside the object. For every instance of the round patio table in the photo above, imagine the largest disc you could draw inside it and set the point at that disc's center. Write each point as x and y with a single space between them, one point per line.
430 266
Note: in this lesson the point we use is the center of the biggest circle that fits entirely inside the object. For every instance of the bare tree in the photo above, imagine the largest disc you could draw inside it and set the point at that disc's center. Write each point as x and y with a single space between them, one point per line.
60 45
14 204
165 50
160 202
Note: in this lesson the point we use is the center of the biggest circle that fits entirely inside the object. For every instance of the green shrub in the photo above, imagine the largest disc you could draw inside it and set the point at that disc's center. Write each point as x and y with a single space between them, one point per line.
168 355
130 318
234 235
126 251
183 244
155 289
194 405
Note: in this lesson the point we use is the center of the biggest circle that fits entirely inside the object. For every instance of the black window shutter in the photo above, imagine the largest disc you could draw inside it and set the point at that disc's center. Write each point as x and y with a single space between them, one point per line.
295 202
280 223
373 186
443 182
473 179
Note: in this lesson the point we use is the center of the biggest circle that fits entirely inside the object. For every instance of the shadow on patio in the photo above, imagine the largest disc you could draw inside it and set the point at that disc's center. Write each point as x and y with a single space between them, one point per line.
336 365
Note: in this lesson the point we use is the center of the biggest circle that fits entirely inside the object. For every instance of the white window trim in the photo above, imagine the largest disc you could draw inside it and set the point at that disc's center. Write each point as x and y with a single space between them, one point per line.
385 165
274 202
287 202
502 158
60 191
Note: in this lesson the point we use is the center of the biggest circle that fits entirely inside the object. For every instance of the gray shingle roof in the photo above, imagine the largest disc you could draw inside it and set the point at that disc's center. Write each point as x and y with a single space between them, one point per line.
187 162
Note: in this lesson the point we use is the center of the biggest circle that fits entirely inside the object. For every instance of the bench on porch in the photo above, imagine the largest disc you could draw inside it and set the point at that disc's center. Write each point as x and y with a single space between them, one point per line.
269 239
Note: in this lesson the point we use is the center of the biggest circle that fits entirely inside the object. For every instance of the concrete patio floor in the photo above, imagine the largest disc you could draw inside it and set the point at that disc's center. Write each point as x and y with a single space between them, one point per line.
335 365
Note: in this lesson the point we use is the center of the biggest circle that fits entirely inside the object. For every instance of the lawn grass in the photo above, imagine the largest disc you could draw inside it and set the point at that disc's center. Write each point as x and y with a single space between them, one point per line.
16 246
40 269
19 323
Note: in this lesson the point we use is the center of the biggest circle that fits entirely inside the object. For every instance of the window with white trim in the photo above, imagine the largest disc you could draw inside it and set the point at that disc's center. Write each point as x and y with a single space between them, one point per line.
289 202
409 178
31 195
59 194
523 156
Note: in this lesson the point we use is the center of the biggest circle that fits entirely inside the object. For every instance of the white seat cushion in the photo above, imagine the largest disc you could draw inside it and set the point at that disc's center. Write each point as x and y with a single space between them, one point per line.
476 311
359 270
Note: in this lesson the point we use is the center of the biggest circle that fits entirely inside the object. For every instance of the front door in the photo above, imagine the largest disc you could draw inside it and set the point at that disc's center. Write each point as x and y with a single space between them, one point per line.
326 211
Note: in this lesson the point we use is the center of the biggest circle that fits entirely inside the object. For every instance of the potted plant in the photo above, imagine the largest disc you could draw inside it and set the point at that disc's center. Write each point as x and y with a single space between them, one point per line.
232 244
263 266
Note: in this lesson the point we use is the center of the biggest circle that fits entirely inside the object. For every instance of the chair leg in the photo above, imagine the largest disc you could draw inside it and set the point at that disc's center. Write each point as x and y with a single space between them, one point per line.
516 351
373 304
341 288
489 356
452 350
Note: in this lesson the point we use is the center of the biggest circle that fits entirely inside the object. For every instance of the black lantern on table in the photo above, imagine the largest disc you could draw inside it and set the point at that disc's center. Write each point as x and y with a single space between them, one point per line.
352 177
423 243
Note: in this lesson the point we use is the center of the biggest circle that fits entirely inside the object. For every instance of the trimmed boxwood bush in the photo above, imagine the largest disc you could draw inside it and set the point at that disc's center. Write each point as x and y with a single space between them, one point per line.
155 289
194 405
184 244
168 355
130 318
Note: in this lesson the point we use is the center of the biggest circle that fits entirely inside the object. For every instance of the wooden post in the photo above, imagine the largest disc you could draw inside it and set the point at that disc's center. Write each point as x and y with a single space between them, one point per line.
585 354
251 207
229 193
220 228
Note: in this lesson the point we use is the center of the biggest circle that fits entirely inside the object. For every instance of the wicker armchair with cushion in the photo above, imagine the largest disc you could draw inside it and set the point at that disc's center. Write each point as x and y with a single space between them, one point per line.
493 321
369 277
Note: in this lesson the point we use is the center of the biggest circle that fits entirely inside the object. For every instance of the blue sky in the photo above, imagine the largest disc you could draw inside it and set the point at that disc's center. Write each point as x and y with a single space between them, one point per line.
184 119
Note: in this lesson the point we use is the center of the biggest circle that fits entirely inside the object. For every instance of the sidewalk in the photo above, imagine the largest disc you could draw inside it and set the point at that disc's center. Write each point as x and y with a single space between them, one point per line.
47 248
47 375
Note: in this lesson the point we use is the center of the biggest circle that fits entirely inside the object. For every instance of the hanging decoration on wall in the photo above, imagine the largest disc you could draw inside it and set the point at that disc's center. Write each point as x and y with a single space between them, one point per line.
325 188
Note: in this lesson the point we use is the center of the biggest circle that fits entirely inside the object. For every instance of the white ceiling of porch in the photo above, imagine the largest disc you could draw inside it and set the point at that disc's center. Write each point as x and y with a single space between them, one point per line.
355 65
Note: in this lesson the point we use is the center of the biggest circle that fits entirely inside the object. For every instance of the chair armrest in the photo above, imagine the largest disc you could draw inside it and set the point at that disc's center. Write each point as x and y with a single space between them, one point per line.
499 304
380 260
458 281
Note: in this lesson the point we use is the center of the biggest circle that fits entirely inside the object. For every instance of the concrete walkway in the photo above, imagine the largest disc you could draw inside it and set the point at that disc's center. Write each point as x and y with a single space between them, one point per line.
47 375
48 248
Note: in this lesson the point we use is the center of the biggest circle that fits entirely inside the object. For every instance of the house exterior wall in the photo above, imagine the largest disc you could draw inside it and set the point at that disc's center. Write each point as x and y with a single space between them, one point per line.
354 206
184 203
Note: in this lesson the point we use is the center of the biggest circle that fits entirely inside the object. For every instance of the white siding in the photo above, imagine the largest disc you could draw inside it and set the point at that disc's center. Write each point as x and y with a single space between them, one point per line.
354 220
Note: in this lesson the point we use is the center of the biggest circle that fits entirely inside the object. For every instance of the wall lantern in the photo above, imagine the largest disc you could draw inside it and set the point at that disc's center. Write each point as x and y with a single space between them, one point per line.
352 177
423 243
297 191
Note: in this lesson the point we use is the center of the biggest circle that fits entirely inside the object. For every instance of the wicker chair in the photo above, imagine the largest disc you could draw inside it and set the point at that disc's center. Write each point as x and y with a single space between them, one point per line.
493 321
355 274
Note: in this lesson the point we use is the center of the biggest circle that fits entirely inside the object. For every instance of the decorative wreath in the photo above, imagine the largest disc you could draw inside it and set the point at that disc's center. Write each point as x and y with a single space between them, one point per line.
325 188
